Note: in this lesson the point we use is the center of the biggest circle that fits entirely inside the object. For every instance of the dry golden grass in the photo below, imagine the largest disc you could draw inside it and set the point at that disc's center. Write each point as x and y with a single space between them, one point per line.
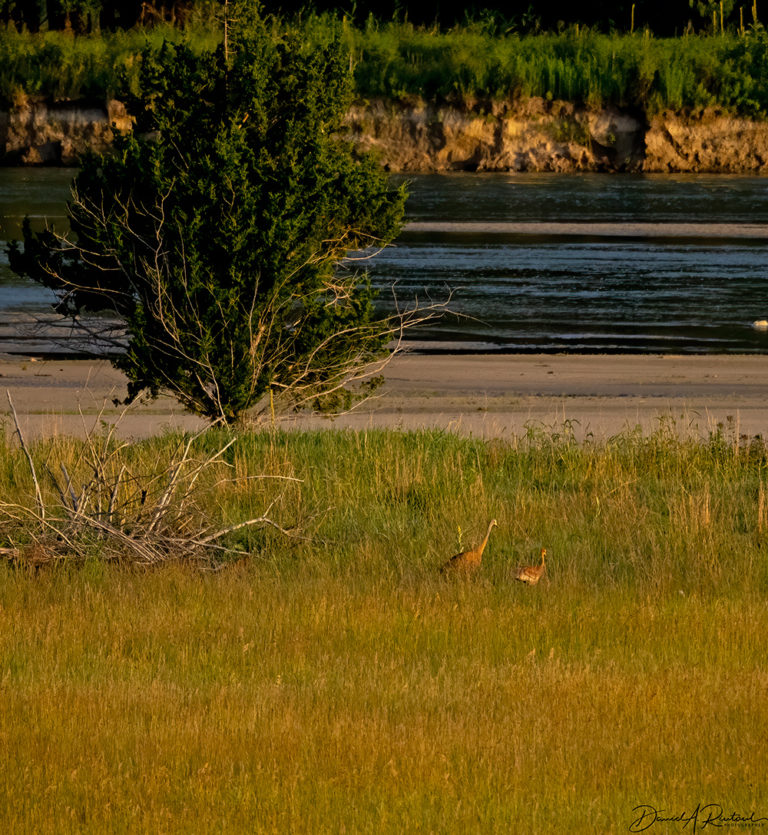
344 685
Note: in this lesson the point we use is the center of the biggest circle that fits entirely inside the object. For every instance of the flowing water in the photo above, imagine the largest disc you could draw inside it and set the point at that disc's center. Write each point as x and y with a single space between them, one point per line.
591 262
40 194
537 262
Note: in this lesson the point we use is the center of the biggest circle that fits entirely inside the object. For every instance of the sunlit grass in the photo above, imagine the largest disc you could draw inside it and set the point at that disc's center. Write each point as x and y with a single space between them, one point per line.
399 60
341 682
64 66
576 65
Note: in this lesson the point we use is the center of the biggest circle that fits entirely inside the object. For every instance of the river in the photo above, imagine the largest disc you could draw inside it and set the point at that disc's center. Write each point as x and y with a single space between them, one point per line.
536 262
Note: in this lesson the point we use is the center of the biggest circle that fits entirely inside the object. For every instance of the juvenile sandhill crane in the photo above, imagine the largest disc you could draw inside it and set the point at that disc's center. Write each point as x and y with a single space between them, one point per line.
470 560
531 574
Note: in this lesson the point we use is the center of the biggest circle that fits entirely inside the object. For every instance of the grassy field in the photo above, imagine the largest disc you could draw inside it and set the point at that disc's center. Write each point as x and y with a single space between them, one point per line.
340 683
398 60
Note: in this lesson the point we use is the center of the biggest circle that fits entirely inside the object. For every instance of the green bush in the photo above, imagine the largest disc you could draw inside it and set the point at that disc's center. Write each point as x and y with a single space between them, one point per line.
215 229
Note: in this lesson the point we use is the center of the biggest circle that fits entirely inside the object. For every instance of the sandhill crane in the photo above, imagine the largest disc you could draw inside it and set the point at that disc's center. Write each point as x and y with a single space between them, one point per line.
470 560
531 574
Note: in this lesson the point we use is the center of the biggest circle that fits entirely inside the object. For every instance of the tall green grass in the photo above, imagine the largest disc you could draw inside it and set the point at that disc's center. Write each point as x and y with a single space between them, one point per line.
577 65
634 512
397 60
340 683
65 66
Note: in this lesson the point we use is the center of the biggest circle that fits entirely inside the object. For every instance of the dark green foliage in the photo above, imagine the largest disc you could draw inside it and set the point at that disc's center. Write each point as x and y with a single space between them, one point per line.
507 16
215 230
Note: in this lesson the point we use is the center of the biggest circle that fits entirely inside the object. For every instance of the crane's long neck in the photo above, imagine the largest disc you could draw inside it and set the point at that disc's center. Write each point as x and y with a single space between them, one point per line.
487 536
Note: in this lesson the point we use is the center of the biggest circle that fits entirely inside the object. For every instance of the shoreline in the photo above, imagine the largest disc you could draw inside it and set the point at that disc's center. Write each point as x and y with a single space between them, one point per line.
484 395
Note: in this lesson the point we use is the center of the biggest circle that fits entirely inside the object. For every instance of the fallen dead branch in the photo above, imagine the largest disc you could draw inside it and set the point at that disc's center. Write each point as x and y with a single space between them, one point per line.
116 513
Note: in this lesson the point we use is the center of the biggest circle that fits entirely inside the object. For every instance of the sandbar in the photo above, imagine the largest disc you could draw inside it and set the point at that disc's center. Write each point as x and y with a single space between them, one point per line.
473 394
633 229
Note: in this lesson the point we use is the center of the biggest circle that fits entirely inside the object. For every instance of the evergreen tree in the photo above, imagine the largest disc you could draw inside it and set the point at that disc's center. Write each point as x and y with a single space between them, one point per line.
215 229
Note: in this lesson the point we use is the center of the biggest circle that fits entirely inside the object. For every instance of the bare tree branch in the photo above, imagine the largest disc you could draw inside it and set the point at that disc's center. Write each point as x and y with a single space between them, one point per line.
38 495
146 518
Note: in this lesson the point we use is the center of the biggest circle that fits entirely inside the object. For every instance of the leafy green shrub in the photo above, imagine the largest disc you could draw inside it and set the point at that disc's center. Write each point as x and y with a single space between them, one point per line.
215 229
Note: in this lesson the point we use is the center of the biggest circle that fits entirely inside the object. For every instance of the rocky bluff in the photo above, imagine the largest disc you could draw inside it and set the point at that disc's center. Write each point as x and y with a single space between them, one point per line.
532 135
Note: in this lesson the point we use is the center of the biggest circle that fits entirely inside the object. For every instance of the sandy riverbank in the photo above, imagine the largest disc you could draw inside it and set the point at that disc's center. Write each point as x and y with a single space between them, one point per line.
493 396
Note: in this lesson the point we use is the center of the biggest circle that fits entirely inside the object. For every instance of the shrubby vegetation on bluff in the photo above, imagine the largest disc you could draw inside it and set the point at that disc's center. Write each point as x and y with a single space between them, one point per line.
400 60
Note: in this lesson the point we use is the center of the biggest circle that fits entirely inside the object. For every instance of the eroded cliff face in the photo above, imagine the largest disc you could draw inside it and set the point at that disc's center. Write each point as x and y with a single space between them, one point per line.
706 141
36 133
556 136
535 135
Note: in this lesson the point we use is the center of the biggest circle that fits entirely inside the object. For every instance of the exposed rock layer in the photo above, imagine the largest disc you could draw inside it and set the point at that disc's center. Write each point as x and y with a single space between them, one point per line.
556 136
535 135
36 133
532 136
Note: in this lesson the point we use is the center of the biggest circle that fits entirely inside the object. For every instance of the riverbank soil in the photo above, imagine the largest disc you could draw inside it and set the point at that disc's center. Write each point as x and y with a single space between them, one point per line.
419 136
482 395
